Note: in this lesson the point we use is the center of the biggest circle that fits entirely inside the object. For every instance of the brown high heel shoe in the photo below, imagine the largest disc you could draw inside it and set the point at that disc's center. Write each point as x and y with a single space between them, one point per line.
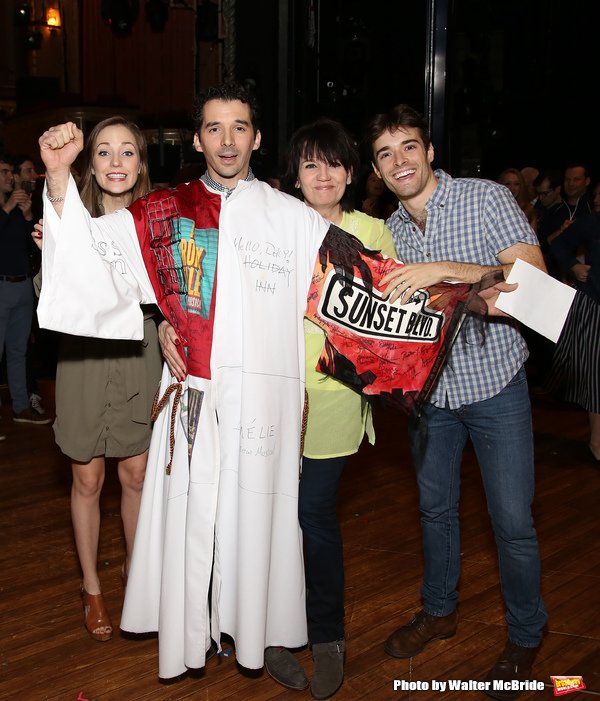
96 618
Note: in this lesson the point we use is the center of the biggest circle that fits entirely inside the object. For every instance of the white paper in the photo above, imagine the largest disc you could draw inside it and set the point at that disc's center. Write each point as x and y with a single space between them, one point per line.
540 301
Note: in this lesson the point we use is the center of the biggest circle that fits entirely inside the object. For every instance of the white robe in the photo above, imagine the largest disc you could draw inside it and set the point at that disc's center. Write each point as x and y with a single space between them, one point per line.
239 493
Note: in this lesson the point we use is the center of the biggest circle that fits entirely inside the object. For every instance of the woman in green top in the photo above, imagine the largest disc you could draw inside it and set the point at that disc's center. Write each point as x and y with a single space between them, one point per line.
322 167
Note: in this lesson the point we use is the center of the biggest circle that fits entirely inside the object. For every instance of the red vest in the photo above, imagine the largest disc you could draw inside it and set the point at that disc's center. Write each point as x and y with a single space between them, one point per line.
178 231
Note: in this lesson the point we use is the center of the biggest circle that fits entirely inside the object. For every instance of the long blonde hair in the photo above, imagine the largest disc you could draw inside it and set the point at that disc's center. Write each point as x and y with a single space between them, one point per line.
89 190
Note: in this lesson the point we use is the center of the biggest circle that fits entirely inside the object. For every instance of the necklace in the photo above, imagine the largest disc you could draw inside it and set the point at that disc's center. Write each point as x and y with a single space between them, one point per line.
572 213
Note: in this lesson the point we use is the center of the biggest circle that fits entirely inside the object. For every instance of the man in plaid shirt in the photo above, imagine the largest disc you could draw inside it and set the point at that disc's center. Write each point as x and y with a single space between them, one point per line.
482 393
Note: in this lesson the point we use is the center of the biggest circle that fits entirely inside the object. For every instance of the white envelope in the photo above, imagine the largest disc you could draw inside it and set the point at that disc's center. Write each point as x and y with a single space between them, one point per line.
540 301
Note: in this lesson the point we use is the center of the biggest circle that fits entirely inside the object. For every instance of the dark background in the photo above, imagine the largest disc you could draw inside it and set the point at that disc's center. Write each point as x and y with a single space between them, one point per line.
520 81
518 89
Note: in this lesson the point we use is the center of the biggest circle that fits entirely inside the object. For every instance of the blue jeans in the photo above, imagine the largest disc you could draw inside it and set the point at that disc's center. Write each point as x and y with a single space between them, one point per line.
501 431
16 315
323 550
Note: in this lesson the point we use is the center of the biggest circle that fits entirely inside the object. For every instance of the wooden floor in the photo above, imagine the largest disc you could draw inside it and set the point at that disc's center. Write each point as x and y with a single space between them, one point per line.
46 653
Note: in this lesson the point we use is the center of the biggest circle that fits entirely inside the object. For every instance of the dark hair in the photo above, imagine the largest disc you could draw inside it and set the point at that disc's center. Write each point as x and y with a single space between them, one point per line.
6 158
552 175
398 117
90 192
325 140
227 92
578 164
19 159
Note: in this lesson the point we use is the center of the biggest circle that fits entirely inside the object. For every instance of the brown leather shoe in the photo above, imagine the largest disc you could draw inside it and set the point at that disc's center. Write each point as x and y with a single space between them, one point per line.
514 664
412 638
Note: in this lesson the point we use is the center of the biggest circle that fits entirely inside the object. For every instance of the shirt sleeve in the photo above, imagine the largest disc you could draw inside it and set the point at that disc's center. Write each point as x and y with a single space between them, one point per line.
505 222
93 271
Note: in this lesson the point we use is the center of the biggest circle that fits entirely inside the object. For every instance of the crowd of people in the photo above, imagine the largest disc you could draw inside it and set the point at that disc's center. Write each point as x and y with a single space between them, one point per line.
230 476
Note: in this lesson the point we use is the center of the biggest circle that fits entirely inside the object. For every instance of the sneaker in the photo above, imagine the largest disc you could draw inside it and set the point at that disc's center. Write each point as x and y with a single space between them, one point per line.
30 416
2 437
36 403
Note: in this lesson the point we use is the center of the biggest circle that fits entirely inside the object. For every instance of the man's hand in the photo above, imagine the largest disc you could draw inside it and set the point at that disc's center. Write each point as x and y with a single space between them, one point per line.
20 199
403 282
563 227
169 340
60 145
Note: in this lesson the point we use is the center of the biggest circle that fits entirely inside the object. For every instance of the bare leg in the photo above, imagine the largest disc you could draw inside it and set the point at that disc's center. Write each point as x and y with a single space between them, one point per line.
88 479
131 476
595 434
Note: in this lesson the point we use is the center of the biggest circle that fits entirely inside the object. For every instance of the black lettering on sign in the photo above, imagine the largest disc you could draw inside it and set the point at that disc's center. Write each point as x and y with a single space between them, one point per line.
352 306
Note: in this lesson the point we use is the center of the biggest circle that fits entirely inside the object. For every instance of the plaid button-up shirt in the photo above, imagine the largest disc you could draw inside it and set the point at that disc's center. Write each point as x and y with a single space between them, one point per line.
469 220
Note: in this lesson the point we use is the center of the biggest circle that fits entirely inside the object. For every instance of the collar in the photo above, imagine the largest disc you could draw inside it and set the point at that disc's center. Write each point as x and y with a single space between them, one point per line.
219 187
438 197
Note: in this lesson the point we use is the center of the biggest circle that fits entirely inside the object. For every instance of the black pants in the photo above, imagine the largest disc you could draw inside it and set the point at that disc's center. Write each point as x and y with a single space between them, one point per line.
324 558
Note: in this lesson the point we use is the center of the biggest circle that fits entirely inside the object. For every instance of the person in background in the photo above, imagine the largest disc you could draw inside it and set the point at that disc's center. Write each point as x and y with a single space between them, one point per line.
549 206
596 198
16 289
481 394
105 388
274 180
377 201
575 201
514 181
27 179
576 367
529 174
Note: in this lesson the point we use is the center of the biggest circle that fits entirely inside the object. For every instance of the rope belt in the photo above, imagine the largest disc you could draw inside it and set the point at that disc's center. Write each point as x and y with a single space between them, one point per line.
157 407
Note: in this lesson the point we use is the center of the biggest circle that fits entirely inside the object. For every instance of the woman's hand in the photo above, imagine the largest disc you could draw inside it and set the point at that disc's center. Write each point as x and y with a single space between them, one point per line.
169 340
60 145
38 233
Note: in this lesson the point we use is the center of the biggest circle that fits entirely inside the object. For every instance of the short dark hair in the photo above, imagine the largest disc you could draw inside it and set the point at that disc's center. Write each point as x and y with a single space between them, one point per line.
227 92
19 159
329 141
578 164
398 117
6 158
553 175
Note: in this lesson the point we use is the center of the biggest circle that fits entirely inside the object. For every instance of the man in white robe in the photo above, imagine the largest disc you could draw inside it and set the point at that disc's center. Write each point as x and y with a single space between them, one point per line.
219 504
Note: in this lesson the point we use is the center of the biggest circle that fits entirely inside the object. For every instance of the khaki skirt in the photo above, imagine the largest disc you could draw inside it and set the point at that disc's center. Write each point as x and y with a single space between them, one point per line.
104 393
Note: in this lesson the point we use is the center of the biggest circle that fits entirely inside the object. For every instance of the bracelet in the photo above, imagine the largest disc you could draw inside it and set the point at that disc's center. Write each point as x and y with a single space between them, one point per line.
54 199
